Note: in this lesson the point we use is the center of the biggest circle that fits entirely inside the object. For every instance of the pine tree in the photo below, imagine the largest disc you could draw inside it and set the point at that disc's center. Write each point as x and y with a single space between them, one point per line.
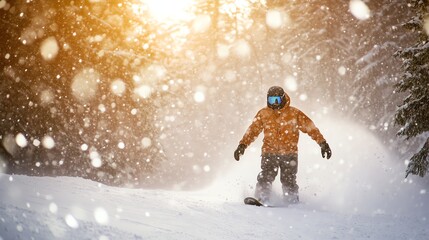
413 114
110 137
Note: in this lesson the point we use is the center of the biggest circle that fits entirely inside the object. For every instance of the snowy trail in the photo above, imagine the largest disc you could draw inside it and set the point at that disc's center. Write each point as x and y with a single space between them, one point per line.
74 208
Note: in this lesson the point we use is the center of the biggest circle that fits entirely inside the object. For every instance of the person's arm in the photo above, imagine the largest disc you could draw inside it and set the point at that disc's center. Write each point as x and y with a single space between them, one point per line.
251 134
306 125
253 131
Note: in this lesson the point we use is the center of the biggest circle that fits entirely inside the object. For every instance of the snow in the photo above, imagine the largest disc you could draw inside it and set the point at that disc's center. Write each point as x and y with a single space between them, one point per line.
84 147
9 143
176 10
95 159
36 142
200 94
276 19
2 3
359 194
287 58
47 97
49 48
242 49
21 140
359 10
201 23
146 142
143 91
291 83
350 196
118 87
102 108
101 216
53 208
85 84
71 221
303 97
48 208
342 70
222 51
121 145
48 142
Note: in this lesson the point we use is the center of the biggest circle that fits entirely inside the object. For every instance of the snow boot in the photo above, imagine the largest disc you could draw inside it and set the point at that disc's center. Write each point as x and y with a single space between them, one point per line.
291 198
263 192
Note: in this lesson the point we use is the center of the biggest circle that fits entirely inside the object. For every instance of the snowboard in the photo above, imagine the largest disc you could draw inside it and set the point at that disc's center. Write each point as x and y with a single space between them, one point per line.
254 201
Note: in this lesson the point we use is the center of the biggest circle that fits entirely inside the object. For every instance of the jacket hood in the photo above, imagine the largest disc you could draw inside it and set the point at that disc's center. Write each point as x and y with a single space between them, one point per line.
278 91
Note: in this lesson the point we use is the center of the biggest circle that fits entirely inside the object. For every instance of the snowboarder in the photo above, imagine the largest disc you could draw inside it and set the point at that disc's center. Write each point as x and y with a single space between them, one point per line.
281 124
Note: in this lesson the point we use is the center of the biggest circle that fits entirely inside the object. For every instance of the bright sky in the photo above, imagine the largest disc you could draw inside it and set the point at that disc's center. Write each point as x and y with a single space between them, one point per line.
167 10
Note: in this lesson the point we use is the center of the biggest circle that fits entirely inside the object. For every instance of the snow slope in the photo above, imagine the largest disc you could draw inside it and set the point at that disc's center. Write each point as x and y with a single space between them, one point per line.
360 193
74 208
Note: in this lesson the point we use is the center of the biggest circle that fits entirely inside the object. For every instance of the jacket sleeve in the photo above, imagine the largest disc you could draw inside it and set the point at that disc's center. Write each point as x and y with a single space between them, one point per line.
253 131
306 125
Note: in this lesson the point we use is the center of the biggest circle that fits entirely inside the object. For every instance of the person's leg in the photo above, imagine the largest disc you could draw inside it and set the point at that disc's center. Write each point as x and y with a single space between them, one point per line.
269 166
289 168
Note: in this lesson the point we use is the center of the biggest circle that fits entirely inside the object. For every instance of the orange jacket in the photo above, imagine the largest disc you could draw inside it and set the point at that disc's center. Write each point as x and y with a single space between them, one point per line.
281 130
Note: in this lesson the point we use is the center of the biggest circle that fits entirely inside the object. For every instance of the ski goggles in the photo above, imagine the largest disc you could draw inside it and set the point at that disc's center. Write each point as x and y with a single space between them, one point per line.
275 100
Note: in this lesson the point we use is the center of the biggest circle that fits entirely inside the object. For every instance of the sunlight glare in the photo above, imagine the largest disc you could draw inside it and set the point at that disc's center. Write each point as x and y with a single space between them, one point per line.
235 6
170 10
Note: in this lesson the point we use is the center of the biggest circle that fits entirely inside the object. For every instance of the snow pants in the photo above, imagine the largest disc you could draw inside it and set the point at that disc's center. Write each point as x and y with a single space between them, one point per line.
270 165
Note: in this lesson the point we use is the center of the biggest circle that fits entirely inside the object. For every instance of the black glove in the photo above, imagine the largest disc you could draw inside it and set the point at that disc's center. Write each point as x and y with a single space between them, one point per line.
325 149
239 151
